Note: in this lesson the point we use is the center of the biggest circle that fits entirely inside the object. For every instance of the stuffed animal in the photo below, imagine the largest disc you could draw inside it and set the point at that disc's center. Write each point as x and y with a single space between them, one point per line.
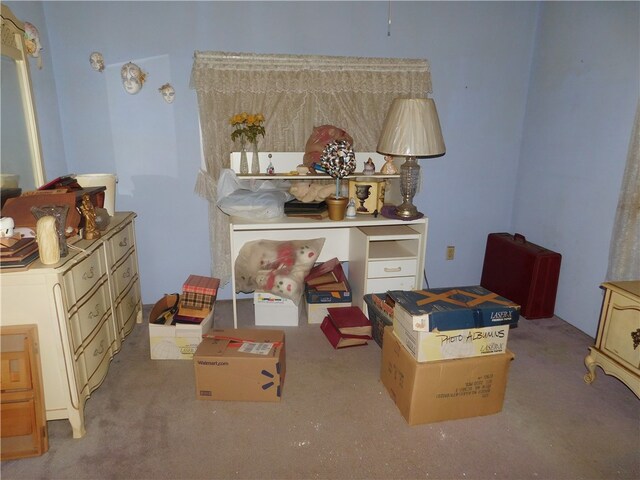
276 267
319 139
310 191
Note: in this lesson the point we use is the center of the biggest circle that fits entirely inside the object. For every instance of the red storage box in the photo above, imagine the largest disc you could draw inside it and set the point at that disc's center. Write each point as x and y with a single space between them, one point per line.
523 272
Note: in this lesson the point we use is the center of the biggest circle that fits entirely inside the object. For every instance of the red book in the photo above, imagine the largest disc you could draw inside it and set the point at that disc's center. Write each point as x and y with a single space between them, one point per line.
200 284
339 340
324 273
340 285
350 320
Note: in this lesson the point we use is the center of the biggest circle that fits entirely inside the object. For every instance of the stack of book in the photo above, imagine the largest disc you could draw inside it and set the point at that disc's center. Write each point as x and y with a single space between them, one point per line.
327 277
197 300
346 327
18 254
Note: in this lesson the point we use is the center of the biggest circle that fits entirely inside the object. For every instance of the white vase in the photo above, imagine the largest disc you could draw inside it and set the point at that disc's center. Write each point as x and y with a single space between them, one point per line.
255 160
244 164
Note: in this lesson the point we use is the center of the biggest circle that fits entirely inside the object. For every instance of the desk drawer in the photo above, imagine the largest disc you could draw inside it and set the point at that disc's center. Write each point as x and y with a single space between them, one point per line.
377 285
392 268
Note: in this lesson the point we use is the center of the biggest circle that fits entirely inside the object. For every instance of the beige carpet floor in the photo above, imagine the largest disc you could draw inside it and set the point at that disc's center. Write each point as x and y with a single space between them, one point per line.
336 420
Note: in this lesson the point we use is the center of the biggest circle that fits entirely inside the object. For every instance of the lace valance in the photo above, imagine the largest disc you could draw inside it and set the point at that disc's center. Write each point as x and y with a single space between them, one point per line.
248 72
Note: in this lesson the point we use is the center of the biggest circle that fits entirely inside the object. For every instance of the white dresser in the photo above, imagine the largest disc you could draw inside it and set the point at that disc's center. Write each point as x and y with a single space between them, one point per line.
84 307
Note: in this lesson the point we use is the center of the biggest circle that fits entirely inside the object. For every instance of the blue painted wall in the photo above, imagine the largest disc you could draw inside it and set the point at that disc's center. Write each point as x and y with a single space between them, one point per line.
491 64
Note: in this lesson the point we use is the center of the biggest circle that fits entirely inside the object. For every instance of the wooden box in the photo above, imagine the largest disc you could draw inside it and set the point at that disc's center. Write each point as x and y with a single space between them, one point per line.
23 424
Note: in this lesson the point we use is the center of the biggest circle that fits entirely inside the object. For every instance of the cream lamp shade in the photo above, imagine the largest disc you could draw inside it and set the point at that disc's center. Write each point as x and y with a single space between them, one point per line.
412 129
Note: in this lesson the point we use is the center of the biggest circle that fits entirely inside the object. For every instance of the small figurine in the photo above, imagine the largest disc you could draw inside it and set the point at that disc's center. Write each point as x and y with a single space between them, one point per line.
91 231
351 208
270 169
369 167
389 167
96 60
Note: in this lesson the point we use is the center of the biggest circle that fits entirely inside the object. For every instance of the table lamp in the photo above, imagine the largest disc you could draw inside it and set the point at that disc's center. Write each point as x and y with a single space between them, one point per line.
411 129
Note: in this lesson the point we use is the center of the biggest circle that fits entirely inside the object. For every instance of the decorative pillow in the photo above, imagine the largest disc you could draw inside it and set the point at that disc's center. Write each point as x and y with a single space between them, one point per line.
277 267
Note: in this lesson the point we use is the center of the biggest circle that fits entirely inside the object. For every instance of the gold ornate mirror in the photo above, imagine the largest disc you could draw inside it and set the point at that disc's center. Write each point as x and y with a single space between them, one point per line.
21 153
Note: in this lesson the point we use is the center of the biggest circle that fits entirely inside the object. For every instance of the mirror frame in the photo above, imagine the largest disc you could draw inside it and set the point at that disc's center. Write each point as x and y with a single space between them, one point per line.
13 46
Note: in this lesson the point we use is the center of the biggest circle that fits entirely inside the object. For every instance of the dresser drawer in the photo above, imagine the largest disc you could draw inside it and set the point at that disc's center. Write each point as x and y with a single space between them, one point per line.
121 242
96 356
91 313
79 279
392 268
128 309
378 285
124 274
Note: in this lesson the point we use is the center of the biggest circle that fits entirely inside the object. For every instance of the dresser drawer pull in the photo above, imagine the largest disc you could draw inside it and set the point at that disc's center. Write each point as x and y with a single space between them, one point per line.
97 352
127 273
124 242
88 275
392 269
97 313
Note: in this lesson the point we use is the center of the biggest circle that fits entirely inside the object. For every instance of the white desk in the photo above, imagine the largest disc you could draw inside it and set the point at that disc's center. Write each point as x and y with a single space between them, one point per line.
349 243
383 254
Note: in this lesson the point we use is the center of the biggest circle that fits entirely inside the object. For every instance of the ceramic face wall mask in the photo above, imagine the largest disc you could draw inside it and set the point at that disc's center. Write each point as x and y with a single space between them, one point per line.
97 61
32 41
168 92
132 78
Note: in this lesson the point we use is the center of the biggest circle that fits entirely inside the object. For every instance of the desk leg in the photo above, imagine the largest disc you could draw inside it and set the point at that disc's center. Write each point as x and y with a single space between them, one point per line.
233 277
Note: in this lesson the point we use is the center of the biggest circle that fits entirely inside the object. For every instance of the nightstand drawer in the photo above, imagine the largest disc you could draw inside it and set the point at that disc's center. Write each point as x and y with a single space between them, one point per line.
392 268
623 320
95 356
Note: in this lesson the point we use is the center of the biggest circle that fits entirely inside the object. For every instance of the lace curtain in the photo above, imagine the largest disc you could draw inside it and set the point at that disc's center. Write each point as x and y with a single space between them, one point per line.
624 250
295 93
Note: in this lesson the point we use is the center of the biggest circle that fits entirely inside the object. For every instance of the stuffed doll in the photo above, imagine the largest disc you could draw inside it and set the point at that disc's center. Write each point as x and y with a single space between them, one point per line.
319 139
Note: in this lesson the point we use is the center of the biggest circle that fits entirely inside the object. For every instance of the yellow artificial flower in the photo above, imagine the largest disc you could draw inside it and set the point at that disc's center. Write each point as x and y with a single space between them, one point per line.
248 126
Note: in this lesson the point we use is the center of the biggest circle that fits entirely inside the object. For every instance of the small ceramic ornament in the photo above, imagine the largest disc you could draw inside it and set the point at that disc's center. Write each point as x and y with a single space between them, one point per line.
271 169
96 60
351 208
369 167
168 92
6 227
389 167
47 238
133 78
32 42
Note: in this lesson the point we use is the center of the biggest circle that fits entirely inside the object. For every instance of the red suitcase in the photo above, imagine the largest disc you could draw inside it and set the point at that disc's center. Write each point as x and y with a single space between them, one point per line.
523 272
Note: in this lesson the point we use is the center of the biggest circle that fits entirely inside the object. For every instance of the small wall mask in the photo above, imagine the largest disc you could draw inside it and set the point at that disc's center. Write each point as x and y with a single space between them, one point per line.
32 42
132 78
168 92
97 61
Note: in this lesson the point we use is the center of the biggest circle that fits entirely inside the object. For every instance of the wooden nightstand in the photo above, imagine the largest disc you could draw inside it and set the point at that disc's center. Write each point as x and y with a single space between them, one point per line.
617 347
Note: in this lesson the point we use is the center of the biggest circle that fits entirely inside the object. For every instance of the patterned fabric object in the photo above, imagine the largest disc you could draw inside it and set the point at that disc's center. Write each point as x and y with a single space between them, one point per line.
197 300
200 284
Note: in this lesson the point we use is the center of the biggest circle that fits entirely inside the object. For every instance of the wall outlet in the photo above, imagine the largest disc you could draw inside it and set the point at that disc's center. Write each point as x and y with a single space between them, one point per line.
451 252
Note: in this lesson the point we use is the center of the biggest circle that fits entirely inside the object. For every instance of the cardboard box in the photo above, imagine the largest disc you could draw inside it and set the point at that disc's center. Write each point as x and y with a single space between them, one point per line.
241 364
317 302
378 317
175 342
274 311
454 308
445 389
448 344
